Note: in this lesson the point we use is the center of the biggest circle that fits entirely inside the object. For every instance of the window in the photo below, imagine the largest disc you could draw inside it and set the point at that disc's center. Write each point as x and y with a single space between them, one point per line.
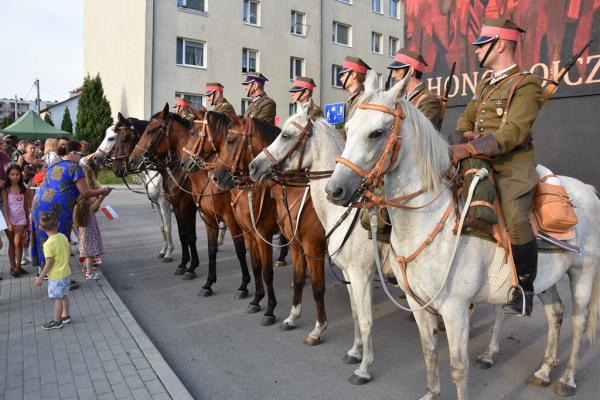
393 44
341 34
293 109
249 60
335 76
376 6
380 80
376 42
296 67
251 12
345 1
395 8
297 23
194 99
198 5
190 53
245 104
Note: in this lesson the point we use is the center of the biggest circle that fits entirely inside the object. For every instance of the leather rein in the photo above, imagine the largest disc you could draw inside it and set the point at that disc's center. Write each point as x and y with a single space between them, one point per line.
240 175
204 134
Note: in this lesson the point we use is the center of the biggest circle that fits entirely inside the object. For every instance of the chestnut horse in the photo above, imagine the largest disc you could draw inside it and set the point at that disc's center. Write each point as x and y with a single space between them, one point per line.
163 144
128 132
308 248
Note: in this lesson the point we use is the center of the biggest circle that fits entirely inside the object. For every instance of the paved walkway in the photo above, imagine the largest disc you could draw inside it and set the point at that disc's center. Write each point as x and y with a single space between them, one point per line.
102 354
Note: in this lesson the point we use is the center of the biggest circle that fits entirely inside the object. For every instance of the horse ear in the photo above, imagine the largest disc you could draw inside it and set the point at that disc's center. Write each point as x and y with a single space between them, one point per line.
371 81
120 117
165 111
198 114
398 90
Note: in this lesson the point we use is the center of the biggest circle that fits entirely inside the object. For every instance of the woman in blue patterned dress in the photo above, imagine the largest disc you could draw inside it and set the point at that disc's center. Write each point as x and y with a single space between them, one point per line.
58 193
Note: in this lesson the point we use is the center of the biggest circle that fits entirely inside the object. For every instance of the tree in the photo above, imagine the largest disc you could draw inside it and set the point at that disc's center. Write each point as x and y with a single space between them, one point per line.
48 119
66 124
93 112
6 122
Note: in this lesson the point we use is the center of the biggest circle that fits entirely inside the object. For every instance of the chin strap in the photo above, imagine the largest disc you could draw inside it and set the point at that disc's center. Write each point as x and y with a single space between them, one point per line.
346 80
487 53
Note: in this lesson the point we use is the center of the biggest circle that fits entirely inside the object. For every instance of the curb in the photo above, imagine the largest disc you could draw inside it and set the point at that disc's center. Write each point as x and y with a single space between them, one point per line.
170 381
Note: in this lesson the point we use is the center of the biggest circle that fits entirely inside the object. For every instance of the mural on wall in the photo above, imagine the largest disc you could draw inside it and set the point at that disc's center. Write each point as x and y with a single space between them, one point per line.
443 30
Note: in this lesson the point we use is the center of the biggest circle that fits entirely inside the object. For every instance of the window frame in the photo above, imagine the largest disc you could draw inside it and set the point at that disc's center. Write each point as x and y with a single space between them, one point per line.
347 2
380 12
293 71
183 45
392 52
258 9
294 23
257 66
187 96
334 36
379 40
292 108
182 5
334 76
397 2
243 106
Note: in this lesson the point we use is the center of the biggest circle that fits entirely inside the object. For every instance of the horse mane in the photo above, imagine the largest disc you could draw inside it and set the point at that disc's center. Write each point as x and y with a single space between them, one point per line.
268 131
218 122
139 125
177 118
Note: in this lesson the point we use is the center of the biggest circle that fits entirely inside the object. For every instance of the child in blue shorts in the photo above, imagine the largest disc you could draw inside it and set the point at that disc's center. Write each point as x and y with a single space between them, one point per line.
57 252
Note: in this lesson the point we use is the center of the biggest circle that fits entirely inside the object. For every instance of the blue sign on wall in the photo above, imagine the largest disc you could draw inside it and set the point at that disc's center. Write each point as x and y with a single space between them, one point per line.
335 112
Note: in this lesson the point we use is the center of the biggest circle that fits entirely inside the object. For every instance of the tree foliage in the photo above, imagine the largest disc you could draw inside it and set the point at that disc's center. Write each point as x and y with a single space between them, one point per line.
93 112
66 124
6 122
48 119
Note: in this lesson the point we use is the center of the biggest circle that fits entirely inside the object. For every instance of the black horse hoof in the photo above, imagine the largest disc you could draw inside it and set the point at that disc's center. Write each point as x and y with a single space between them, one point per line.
205 293
483 364
241 295
179 271
252 309
537 382
348 359
160 255
188 276
268 320
286 327
167 259
564 390
358 380
311 341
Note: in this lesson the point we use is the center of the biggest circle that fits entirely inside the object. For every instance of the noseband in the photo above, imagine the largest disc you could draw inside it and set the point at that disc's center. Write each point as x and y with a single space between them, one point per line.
239 174
300 144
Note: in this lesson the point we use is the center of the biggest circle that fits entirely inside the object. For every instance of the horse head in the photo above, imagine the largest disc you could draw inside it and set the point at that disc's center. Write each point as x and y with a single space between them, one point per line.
127 133
102 154
204 141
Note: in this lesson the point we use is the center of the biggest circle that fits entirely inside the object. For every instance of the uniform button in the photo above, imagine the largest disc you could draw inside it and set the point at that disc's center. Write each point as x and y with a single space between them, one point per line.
480 129
483 111
481 120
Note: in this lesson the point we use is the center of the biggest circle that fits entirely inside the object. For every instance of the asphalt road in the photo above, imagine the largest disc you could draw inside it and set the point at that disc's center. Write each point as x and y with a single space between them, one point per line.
220 352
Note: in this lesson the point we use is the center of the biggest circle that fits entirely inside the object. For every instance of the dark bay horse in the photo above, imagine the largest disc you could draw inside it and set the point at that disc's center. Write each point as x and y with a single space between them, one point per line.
129 130
163 141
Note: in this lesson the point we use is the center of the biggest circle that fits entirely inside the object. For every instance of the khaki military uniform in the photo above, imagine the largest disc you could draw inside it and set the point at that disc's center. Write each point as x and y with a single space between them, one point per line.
225 107
351 106
428 103
262 108
513 167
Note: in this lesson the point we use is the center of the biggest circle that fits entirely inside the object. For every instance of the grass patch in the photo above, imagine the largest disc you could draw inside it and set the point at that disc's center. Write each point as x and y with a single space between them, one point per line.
106 177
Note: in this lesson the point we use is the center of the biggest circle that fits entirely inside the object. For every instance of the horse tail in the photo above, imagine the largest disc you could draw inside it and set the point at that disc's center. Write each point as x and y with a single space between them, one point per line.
594 309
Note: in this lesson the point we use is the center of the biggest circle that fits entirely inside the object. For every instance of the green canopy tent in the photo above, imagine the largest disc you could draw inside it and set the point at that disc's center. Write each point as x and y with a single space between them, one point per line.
31 126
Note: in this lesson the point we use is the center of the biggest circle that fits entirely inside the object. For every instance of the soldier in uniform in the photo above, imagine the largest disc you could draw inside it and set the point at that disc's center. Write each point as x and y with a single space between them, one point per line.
262 106
182 108
417 93
353 74
301 92
215 98
496 125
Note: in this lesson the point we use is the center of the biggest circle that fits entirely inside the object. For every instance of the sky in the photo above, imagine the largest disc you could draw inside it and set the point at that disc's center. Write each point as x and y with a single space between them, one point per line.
41 39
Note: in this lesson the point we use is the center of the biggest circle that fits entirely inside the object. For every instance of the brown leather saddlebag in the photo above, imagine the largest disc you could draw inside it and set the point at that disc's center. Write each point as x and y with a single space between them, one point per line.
553 209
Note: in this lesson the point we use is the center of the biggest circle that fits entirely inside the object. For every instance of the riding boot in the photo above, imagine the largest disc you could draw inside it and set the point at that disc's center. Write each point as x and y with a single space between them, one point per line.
282 252
222 230
525 257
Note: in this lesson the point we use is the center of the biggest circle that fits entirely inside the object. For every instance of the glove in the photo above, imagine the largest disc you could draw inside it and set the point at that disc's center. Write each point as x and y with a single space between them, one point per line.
484 147
459 152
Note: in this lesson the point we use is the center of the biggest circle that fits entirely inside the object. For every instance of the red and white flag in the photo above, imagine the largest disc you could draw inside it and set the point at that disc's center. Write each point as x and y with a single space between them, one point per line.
110 213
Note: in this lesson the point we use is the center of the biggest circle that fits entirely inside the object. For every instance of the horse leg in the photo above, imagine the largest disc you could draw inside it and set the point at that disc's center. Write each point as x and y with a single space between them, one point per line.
240 252
259 293
581 281
428 324
317 278
299 262
266 258
354 355
362 291
190 238
185 251
165 213
553 308
456 318
212 234
486 359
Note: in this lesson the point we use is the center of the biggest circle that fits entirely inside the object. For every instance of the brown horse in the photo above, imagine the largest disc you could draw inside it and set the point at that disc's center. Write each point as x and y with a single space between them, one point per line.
162 142
128 132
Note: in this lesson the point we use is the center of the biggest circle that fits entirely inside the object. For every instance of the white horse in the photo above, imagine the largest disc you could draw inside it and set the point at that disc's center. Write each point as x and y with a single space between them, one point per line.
422 161
356 257
153 183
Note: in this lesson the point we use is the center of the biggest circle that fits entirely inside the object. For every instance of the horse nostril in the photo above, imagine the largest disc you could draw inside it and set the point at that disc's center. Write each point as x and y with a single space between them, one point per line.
252 168
338 193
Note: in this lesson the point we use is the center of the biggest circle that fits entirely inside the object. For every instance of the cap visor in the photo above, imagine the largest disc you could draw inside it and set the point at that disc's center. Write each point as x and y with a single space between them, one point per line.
296 89
397 65
482 40
343 71
209 93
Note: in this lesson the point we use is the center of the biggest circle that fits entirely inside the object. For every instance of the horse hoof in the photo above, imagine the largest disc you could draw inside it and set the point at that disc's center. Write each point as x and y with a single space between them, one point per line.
311 341
160 255
537 382
564 390
252 309
358 380
280 263
268 320
167 259
348 359
286 327
483 364
179 271
205 293
188 276
240 295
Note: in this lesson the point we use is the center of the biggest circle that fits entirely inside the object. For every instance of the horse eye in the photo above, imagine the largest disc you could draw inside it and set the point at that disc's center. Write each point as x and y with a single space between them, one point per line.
376 134
230 140
285 136
110 139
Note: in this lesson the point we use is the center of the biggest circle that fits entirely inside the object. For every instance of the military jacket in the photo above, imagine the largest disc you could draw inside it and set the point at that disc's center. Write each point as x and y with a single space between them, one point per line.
493 102
190 117
262 108
225 107
352 104
428 103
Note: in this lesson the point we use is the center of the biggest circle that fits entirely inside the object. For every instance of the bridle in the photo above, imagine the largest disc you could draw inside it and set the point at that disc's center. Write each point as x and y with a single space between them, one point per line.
239 174
204 134
148 158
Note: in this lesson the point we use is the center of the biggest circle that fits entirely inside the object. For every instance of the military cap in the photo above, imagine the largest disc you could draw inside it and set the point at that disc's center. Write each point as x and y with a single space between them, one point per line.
498 28
406 58
354 64
213 87
181 102
301 83
254 77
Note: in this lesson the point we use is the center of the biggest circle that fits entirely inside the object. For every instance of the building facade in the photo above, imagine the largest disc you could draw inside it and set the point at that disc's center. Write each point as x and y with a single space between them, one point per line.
7 107
149 51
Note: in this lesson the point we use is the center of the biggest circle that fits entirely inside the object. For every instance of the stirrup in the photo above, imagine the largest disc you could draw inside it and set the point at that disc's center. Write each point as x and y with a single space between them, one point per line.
523 299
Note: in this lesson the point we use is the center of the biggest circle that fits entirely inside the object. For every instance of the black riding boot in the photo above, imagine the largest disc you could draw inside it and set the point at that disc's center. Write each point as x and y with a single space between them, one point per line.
525 257
283 251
